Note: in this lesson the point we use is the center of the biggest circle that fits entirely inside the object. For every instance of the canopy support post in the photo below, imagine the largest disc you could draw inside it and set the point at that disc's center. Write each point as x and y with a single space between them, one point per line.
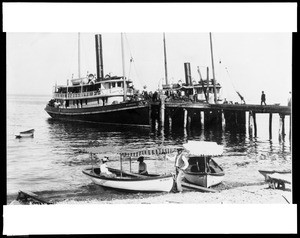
91 155
121 164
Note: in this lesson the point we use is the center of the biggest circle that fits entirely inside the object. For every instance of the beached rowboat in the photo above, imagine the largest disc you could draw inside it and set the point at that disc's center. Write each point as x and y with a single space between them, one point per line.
202 169
266 173
130 181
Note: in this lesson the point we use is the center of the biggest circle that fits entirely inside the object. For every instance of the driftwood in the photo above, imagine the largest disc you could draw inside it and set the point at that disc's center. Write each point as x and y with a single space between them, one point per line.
29 198
197 187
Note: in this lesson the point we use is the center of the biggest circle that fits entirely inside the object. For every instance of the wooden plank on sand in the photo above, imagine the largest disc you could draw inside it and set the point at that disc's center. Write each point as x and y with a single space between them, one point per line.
197 187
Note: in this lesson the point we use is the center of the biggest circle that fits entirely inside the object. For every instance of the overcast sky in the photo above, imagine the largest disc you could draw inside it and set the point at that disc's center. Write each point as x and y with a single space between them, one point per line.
254 61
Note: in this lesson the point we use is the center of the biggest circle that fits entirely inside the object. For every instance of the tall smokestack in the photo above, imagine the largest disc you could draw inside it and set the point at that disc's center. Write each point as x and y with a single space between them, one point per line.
187 71
99 60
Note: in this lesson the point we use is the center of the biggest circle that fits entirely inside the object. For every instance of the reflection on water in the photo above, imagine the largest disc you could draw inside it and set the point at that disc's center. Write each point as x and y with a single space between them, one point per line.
51 162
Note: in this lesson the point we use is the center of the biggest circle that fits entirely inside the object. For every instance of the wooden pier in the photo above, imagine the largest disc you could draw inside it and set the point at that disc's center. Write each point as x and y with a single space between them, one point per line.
221 116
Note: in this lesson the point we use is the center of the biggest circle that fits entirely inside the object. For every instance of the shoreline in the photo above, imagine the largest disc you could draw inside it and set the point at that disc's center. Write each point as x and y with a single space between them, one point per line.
250 194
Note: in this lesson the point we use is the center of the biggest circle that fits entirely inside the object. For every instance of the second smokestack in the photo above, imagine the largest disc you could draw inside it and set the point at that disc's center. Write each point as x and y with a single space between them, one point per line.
187 71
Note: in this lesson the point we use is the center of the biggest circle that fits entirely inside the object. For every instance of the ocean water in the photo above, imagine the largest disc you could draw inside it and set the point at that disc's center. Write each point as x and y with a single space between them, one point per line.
50 164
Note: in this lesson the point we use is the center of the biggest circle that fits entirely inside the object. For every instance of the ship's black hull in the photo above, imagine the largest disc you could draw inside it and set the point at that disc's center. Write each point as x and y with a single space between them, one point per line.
130 113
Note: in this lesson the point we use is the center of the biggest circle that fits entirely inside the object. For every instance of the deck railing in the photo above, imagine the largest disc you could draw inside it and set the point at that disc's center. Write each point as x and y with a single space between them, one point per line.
102 92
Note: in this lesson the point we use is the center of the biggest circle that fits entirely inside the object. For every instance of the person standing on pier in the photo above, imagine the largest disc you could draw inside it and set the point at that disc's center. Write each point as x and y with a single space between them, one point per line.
263 98
181 163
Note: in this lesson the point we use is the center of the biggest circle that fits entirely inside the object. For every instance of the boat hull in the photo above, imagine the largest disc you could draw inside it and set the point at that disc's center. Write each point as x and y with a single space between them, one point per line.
160 183
24 135
204 179
132 113
266 173
203 171
28 133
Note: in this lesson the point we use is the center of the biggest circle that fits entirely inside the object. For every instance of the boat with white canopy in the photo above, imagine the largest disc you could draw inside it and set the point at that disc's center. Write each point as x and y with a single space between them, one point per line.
202 169
127 180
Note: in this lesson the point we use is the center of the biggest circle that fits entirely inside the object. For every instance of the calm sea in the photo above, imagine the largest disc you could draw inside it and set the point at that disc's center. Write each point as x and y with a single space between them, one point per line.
50 164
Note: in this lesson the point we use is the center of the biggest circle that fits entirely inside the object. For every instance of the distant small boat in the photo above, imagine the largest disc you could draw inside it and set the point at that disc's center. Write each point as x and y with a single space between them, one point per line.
28 133
202 169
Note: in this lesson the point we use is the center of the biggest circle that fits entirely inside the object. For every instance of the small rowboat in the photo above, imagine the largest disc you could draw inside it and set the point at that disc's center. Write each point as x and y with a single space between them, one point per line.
266 173
202 169
277 178
28 133
131 181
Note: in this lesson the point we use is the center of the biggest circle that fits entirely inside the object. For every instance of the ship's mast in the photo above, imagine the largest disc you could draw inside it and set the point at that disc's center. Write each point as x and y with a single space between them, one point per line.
79 61
213 68
123 65
165 55
79 55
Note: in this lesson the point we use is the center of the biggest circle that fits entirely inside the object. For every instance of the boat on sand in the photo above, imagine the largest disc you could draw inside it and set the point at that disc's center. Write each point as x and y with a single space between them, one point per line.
126 180
131 181
202 169
266 173
277 178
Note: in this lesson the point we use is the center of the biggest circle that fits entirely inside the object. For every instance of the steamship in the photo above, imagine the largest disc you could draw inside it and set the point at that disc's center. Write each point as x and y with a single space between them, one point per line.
204 91
98 98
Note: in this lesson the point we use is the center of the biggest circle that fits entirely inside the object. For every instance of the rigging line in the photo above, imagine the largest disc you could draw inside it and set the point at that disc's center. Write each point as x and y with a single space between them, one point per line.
238 93
132 61
137 74
131 58
230 79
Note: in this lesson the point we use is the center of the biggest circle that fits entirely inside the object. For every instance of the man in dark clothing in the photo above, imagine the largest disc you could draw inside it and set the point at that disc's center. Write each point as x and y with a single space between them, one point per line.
155 96
263 98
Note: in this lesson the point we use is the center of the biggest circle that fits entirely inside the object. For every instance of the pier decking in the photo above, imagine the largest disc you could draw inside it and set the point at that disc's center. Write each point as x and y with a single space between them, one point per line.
235 107
217 115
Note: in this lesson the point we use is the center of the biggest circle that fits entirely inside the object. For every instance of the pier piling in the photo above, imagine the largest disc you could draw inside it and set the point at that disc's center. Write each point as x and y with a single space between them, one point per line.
254 122
189 119
223 121
202 119
162 110
250 124
270 125
170 120
185 114
281 126
290 131
241 117
150 114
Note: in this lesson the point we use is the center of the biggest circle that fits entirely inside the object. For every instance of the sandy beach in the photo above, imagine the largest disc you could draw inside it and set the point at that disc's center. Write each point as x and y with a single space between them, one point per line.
253 194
